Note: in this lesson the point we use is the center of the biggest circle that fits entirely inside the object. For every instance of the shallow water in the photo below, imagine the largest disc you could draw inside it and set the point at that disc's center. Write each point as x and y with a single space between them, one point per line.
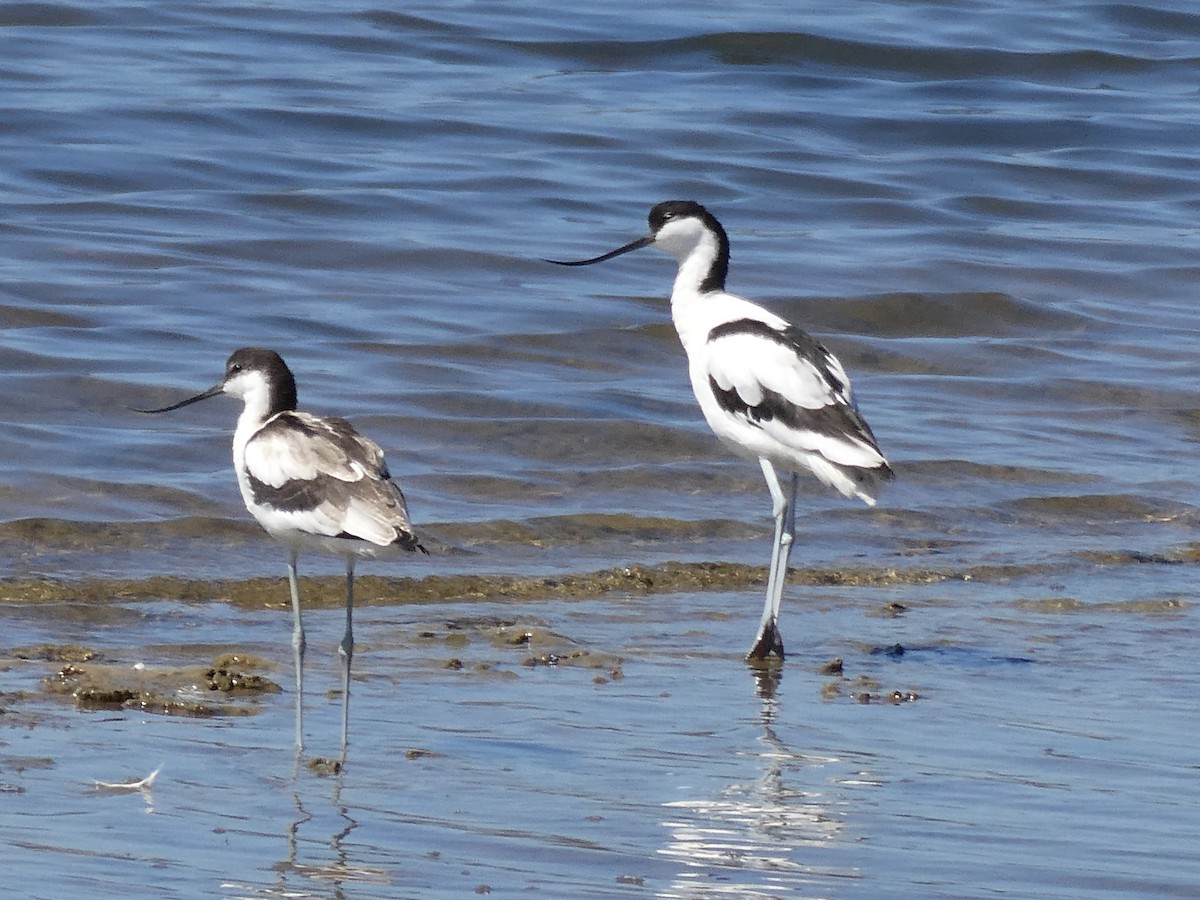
987 211
1044 753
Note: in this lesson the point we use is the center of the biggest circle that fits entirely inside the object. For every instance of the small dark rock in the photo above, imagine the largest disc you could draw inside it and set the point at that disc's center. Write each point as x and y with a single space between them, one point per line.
833 667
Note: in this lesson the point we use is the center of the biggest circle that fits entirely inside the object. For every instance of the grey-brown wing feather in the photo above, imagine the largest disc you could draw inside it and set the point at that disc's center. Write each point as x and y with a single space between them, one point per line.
330 476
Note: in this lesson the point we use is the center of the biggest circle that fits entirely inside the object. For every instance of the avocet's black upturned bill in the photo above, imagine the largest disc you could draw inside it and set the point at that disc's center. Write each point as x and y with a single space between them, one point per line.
313 484
769 390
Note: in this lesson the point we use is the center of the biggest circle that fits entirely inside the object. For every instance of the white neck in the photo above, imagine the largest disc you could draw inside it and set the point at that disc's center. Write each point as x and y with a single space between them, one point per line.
696 254
256 398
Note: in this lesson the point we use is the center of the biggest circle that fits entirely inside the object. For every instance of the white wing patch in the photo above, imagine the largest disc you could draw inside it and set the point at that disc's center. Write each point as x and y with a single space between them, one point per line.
752 365
306 447
321 477
791 397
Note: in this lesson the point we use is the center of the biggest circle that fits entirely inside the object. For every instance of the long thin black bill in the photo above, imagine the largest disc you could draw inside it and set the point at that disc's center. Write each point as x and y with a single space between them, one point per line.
211 392
628 248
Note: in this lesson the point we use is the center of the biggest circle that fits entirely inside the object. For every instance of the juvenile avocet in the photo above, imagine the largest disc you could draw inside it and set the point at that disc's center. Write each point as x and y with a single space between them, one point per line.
769 390
313 484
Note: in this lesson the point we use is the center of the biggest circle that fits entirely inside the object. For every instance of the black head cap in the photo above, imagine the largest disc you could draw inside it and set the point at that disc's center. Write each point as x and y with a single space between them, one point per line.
273 368
671 210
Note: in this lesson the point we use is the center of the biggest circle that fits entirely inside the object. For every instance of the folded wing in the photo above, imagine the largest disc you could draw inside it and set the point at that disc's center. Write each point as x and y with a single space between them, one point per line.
328 479
787 384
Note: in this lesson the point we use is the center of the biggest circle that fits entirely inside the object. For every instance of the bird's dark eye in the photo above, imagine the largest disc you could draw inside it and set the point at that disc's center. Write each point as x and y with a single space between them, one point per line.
236 367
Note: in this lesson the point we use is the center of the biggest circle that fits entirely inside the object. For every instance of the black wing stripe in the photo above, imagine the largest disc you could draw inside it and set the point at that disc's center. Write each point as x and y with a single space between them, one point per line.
293 496
799 341
831 420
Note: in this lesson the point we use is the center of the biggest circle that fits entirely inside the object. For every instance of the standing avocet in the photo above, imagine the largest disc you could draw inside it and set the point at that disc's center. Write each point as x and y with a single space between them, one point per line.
313 484
769 390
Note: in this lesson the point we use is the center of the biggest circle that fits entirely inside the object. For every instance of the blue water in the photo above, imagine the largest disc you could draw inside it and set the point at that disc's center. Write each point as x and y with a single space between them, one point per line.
987 210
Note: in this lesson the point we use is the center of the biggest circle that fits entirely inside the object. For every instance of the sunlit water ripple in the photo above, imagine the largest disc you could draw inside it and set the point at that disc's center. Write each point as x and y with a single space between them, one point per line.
987 211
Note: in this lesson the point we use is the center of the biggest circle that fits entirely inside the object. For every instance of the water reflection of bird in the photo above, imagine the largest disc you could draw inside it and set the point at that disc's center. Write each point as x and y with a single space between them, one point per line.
761 835
768 390
313 484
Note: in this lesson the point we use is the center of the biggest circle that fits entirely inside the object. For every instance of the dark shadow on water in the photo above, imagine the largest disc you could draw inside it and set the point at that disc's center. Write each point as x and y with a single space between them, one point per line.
767 674
970 657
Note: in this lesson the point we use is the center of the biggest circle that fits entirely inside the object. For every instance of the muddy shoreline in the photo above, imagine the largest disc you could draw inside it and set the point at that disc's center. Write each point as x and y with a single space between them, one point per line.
323 592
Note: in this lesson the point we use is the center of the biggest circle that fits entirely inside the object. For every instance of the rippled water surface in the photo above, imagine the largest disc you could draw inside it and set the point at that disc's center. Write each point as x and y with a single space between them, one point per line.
987 210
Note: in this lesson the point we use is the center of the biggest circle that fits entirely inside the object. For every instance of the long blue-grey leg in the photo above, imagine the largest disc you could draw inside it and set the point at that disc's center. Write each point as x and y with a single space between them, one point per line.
297 650
768 640
787 541
346 652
